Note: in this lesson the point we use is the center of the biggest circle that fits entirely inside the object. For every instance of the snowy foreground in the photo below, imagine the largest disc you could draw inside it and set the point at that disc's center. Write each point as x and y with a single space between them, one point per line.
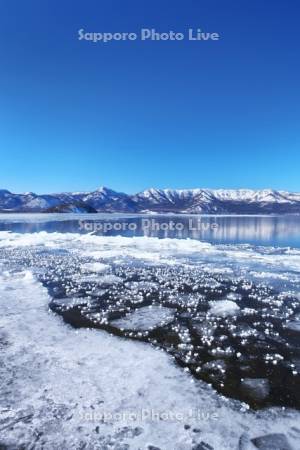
66 388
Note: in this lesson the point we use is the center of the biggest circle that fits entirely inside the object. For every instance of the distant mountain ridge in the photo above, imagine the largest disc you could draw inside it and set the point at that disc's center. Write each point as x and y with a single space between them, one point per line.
184 201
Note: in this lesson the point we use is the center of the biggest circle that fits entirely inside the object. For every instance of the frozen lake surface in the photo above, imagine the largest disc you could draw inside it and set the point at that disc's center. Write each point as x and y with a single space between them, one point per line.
94 325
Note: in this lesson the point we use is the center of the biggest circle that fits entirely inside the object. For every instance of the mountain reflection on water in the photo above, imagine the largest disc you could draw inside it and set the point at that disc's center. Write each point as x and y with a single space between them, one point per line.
257 230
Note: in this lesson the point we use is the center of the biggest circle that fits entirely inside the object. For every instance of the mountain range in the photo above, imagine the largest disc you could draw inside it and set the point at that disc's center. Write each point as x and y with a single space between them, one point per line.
186 201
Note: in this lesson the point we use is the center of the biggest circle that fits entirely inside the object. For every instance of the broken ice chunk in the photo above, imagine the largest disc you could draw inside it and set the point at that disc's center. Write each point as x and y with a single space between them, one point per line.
94 267
223 308
145 318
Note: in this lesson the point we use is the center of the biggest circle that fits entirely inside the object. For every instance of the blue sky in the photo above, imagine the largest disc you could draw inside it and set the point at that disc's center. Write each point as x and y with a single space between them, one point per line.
132 115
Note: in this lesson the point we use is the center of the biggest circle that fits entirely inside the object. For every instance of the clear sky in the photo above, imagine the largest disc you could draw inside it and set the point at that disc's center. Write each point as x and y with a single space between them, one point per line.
132 115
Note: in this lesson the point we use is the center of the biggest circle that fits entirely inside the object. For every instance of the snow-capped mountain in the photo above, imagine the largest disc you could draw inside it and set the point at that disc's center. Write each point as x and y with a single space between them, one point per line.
26 202
216 201
193 201
103 199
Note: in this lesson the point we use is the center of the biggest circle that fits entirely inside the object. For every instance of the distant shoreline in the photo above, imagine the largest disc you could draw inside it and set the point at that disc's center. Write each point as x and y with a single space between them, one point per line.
144 214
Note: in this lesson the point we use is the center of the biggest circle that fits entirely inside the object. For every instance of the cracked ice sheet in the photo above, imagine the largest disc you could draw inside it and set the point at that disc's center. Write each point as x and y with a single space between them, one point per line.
158 251
54 377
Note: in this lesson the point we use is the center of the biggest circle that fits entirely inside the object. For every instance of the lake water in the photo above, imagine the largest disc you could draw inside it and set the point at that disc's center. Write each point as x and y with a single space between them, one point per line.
279 231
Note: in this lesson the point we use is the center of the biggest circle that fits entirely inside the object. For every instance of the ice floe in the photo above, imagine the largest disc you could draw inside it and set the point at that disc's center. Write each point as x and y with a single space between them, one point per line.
223 308
145 318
